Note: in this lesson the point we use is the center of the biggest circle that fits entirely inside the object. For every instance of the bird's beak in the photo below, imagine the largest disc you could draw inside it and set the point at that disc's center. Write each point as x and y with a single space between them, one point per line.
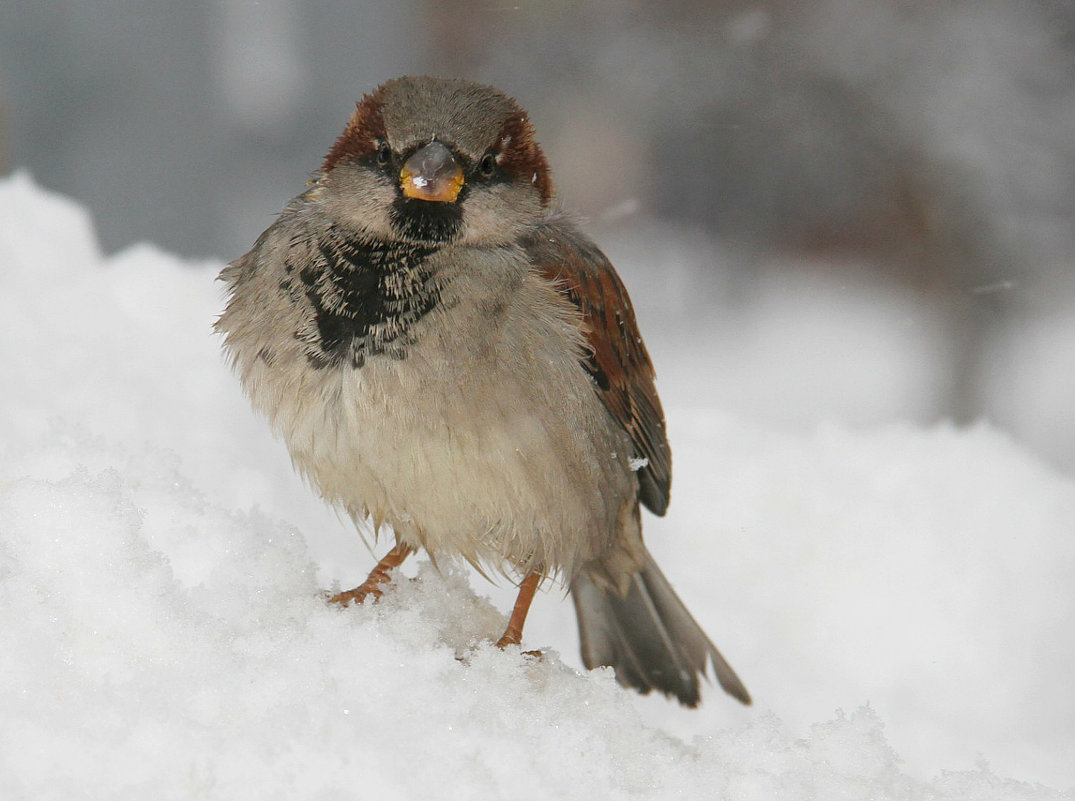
431 173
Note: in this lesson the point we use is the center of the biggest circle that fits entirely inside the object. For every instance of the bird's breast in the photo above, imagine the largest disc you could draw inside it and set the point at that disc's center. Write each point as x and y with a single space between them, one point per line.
362 298
485 438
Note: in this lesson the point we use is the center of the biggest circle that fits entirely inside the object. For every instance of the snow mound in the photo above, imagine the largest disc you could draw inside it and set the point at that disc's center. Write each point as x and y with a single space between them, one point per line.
164 631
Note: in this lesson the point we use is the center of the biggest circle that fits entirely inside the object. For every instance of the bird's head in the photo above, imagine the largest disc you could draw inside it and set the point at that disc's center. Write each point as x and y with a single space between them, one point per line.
436 160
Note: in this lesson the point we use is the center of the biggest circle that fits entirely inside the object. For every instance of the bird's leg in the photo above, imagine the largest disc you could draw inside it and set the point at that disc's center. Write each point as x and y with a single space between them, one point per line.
514 633
377 577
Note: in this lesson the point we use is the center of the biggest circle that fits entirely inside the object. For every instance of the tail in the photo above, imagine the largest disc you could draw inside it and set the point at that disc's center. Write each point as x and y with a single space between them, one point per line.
649 637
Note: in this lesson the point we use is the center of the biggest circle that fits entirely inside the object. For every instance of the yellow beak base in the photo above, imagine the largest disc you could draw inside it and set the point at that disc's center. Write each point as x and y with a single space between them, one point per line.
431 173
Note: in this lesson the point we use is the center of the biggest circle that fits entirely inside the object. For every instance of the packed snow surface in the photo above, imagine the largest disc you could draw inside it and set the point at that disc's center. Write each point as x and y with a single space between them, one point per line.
898 600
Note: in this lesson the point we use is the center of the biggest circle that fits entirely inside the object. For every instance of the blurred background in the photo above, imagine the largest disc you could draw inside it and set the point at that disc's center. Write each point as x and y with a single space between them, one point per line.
837 210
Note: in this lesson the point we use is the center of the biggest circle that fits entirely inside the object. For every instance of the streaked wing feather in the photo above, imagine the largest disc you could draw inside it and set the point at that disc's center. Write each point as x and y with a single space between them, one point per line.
617 359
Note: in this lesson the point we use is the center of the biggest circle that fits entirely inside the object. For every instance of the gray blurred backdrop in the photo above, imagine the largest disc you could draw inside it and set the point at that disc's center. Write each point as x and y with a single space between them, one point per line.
900 170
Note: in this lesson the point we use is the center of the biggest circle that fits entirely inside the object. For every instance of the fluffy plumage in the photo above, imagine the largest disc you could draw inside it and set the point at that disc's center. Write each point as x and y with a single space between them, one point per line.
468 369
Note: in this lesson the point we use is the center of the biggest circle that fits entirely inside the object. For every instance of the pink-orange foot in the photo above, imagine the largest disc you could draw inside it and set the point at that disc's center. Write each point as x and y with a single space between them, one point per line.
378 576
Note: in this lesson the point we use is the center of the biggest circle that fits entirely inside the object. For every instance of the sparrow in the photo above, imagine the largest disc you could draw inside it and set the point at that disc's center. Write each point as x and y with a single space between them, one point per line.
446 355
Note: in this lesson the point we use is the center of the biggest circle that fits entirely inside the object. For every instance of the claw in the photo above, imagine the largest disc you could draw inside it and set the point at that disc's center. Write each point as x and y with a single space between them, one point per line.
378 576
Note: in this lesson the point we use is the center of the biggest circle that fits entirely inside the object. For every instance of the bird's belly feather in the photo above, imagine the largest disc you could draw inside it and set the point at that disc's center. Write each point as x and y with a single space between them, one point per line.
466 461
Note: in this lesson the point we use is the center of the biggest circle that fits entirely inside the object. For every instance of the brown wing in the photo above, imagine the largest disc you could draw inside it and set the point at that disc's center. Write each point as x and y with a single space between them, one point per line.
617 360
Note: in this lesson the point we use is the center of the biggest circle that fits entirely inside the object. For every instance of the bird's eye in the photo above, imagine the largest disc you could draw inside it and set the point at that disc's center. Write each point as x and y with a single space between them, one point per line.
487 166
384 154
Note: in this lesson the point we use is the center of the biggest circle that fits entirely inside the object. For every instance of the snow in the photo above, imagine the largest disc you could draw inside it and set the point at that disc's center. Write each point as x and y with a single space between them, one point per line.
898 599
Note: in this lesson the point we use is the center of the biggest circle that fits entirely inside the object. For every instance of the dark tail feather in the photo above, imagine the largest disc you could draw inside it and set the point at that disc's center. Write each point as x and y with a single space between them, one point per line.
649 637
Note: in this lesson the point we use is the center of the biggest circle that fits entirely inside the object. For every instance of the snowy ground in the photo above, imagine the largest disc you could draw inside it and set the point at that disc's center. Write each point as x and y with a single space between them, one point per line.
898 599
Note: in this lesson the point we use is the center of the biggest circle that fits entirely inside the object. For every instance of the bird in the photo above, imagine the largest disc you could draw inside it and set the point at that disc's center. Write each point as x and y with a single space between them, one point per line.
449 358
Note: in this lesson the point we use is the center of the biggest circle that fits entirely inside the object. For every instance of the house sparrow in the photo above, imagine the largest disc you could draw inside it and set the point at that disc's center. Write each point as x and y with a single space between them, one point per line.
445 353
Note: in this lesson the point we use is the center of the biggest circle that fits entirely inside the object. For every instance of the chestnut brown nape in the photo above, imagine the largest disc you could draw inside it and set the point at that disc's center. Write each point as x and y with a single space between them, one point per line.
358 140
524 157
